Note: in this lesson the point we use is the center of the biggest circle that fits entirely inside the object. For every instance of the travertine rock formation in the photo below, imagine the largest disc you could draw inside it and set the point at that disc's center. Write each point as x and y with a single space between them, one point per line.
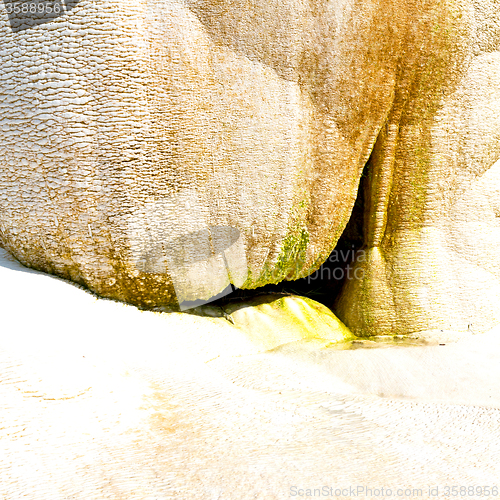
156 150
432 195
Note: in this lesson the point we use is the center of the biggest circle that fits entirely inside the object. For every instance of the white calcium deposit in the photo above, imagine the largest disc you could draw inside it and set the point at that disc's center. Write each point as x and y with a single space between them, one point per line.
100 400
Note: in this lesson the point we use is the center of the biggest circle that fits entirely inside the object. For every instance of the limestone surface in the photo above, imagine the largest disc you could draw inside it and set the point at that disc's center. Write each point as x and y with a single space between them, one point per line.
100 400
156 151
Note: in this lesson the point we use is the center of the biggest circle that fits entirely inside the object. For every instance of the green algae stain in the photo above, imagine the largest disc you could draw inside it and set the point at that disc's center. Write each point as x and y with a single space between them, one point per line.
293 253
289 262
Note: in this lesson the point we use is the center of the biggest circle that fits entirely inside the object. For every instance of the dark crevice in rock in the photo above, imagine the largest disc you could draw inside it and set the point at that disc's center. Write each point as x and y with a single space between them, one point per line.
326 283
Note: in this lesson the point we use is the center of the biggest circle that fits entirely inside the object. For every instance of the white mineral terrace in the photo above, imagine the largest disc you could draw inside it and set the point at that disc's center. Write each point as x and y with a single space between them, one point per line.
102 401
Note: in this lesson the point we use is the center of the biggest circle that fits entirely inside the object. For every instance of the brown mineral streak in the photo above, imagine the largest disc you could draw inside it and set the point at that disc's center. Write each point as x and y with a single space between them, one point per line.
413 279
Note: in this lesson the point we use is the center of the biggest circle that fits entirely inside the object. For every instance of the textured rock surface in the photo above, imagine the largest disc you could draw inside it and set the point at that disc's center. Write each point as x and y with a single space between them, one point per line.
99 400
133 131
129 125
432 199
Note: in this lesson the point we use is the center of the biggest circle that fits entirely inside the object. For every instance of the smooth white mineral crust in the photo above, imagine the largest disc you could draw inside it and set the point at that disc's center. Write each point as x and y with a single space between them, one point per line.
102 400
